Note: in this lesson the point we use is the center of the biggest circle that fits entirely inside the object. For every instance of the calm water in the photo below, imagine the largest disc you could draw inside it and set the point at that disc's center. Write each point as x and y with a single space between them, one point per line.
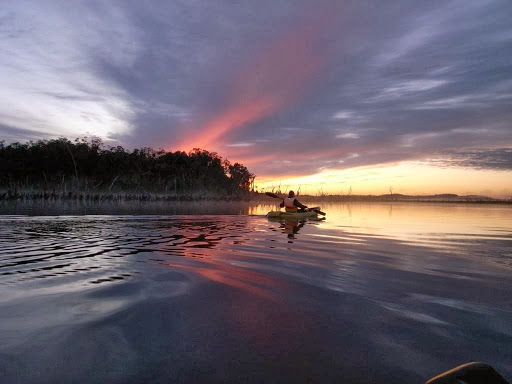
376 293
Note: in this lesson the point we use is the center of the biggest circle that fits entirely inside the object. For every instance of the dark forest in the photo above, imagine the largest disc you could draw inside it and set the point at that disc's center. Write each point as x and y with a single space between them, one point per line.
88 166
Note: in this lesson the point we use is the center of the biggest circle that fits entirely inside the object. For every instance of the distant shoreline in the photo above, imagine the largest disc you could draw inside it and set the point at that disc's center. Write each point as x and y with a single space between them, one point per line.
408 199
256 197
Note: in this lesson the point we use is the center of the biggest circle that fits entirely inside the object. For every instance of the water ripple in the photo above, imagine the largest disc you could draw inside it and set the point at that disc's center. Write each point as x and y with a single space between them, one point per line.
76 283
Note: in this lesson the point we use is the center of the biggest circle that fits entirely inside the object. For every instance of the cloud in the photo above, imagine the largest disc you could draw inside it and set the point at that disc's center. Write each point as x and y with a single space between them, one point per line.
47 81
286 88
347 135
408 88
13 134
499 159
273 78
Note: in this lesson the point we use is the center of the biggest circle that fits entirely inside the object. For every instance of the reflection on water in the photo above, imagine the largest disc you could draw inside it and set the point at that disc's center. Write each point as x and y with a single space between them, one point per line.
95 249
53 208
291 226
373 293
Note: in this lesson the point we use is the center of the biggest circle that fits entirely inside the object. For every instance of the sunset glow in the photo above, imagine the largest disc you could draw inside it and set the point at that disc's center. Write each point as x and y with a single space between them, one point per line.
406 178
147 154
319 95
274 78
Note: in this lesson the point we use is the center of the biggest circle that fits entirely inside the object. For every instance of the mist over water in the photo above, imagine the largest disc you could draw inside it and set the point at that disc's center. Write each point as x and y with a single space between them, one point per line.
373 293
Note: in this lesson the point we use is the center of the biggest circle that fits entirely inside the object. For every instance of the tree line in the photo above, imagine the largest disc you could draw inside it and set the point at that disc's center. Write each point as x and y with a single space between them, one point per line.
85 165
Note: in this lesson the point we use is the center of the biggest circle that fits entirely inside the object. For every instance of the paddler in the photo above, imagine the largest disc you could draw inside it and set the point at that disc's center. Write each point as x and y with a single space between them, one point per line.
291 204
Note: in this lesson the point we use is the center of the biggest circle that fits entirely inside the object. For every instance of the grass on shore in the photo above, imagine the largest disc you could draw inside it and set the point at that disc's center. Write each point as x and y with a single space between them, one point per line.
32 195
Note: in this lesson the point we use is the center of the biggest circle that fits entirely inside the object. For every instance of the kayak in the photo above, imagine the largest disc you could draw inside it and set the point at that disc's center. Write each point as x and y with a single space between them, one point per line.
476 373
291 215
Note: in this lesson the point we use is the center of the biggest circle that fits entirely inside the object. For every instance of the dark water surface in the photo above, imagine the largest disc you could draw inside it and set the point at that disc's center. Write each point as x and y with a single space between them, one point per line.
376 293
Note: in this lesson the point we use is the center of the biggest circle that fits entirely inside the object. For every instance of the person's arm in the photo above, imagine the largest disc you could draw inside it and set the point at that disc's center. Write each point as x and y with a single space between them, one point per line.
298 204
282 204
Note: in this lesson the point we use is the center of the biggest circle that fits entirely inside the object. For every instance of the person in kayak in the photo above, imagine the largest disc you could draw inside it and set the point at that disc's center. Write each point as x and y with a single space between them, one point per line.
291 204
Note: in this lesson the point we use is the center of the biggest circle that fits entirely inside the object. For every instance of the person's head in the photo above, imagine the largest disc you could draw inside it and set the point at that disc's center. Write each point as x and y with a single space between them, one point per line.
291 194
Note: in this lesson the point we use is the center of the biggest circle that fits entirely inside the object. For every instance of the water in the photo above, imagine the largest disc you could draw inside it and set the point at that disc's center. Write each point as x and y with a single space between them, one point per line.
374 293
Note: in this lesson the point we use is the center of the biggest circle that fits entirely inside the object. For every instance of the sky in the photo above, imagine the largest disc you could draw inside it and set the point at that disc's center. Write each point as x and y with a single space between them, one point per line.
326 96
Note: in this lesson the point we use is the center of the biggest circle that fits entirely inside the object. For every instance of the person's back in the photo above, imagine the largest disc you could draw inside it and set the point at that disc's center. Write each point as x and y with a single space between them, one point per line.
291 204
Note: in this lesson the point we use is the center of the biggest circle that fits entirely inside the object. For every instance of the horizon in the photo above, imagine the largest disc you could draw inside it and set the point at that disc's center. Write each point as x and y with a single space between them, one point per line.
321 96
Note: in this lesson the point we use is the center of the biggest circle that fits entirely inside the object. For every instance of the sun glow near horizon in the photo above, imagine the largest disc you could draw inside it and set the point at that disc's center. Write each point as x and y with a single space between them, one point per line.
410 178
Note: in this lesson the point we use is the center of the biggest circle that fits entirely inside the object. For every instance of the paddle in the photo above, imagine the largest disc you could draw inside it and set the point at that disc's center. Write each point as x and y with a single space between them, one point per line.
270 194
273 195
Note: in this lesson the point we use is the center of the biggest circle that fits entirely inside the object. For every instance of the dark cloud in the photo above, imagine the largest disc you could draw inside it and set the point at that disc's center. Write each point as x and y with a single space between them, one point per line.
495 159
13 134
400 81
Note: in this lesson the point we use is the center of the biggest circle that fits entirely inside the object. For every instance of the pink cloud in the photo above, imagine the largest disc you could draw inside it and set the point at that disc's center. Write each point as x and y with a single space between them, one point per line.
277 76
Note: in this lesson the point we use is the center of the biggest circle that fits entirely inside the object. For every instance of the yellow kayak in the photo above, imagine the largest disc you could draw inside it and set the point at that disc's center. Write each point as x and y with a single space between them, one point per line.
292 215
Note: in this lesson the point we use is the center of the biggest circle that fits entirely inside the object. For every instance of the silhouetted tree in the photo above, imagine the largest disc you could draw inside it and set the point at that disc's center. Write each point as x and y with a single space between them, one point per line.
240 177
87 165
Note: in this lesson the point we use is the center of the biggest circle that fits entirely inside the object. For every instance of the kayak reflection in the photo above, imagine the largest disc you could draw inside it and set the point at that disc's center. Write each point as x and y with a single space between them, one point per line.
292 226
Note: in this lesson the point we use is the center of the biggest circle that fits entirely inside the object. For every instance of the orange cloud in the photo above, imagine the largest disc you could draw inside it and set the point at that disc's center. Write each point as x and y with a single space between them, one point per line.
276 77
231 118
